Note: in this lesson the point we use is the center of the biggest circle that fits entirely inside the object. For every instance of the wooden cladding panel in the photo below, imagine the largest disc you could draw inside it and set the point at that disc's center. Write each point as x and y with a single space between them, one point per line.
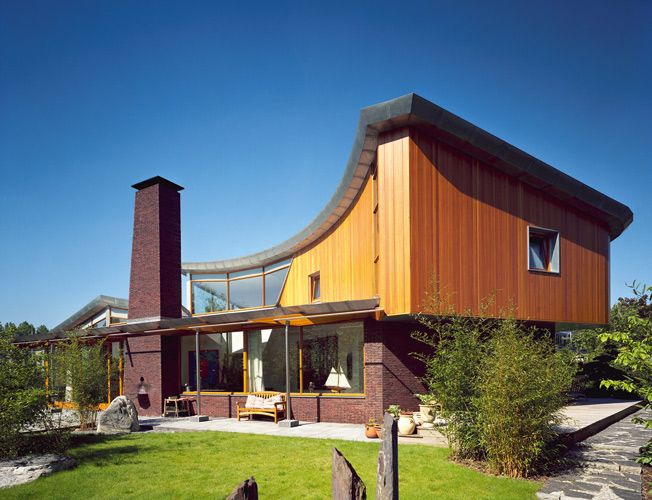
343 257
469 230
394 286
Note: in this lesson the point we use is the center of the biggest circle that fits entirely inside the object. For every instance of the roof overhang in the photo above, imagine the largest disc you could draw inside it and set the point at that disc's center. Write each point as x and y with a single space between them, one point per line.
308 314
413 110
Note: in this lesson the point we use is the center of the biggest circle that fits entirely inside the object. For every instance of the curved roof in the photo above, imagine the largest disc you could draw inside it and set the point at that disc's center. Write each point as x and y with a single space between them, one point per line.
413 110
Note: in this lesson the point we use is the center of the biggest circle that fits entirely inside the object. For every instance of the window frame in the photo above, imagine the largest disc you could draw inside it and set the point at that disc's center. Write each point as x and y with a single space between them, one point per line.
552 238
315 278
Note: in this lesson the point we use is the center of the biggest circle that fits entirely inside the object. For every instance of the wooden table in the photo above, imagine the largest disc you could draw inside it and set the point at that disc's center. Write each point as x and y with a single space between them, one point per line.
176 406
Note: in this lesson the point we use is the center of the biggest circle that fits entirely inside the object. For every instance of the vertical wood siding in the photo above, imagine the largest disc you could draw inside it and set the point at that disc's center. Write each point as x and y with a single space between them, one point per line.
469 230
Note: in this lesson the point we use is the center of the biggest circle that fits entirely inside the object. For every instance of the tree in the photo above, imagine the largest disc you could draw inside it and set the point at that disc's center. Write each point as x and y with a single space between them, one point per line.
23 328
631 333
22 394
83 364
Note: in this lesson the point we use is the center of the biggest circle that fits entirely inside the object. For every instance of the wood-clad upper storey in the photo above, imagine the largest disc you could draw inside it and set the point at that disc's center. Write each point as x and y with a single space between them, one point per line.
427 197
468 229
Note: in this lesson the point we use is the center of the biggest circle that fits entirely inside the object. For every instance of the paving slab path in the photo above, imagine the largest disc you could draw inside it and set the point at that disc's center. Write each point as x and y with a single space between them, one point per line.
606 465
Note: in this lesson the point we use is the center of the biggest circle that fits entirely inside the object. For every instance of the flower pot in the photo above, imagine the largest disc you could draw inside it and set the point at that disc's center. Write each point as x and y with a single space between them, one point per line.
406 424
427 416
371 431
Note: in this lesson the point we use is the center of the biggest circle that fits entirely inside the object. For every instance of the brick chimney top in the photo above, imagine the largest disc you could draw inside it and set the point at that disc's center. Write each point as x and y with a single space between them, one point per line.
156 180
155 283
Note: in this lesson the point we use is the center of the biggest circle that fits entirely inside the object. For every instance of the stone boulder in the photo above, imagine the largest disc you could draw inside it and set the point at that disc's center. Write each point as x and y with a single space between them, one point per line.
27 469
120 416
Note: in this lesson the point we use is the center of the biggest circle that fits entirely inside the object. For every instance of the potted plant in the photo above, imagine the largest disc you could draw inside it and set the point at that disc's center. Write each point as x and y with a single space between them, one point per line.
371 429
394 410
406 424
427 410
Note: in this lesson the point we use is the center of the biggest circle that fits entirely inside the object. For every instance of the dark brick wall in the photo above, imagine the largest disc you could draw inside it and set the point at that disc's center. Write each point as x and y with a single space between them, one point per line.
143 359
155 283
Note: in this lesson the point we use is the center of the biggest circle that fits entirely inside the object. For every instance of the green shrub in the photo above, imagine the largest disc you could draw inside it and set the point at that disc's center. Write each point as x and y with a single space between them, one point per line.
84 366
522 387
22 394
453 370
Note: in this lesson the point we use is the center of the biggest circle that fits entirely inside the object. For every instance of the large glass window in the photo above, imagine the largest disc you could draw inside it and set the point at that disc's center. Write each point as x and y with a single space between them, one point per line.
246 292
209 296
333 358
220 362
274 285
266 360
244 289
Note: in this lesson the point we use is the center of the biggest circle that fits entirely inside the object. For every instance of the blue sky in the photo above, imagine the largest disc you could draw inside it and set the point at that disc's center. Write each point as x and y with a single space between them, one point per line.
252 107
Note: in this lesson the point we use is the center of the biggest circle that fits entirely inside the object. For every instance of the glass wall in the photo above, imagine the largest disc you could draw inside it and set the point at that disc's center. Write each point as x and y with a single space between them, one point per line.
323 359
243 289
220 362
266 360
333 358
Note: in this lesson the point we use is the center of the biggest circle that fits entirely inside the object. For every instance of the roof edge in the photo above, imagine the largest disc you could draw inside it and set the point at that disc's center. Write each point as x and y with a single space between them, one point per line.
413 110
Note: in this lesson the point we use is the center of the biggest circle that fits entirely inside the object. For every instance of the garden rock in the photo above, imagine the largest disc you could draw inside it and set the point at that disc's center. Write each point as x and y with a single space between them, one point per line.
346 484
27 469
120 416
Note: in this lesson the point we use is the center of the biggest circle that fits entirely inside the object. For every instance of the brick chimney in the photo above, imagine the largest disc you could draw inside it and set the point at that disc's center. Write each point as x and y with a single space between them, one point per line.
155 283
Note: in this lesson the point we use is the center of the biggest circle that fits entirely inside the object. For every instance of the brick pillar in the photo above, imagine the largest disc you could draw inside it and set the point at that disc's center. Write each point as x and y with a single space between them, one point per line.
154 293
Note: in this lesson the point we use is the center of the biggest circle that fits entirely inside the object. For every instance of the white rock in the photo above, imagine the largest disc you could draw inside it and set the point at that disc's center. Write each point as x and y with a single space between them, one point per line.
120 416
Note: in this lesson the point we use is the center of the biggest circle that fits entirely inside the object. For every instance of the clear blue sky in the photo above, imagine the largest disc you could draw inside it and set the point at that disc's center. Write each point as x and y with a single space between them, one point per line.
253 109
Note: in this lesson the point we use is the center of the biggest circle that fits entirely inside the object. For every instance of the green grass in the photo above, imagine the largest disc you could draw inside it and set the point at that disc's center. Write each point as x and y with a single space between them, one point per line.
211 464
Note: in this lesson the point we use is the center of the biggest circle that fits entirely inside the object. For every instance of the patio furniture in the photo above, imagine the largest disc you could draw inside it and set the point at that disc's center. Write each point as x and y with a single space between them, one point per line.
177 406
271 404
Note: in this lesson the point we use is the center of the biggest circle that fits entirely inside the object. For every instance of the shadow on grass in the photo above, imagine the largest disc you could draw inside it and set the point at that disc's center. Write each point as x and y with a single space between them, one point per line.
101 449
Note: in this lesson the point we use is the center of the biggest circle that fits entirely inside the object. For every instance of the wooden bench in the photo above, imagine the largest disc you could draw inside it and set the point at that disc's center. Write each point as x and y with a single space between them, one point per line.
271 411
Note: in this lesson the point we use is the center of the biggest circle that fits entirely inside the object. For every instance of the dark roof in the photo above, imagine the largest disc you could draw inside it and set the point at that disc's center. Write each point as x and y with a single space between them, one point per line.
413 110
96 305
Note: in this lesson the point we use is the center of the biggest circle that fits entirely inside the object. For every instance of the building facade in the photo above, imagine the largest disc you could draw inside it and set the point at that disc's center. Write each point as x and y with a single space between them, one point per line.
428 203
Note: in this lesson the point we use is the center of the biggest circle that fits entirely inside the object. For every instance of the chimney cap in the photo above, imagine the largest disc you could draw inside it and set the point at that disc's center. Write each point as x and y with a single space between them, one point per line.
157 180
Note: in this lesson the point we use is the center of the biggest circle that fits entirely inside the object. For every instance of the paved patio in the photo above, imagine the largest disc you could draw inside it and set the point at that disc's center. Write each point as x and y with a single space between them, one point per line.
321 430
584 418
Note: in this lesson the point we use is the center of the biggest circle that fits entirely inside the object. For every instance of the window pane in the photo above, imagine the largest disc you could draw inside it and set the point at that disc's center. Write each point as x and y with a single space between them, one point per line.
220 362
266 360
333 358
208 296
276 265
246 292
273 285
246 272
537 253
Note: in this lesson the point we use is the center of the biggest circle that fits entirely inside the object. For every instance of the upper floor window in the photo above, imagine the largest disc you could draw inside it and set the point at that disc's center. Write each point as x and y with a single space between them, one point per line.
315 288
543 250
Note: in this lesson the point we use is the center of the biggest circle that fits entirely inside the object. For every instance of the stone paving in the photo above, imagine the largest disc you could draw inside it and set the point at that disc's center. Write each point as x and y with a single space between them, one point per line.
321 430
605 466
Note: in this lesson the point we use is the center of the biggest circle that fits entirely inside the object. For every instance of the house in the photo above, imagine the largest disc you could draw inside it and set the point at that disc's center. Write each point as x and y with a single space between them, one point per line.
424 194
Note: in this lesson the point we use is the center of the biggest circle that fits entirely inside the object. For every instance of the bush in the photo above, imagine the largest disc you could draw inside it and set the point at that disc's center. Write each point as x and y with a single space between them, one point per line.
522 387
84 366
453 371
499 387
22 394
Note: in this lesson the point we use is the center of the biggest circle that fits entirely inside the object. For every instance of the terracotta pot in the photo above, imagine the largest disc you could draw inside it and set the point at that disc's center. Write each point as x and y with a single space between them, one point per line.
371 431
406 424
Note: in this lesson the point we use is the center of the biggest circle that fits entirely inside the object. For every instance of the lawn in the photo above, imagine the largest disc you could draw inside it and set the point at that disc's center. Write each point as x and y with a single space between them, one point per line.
211 464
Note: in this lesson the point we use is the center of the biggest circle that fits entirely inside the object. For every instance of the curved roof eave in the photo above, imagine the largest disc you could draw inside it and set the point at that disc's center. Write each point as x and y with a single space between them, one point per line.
413 110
